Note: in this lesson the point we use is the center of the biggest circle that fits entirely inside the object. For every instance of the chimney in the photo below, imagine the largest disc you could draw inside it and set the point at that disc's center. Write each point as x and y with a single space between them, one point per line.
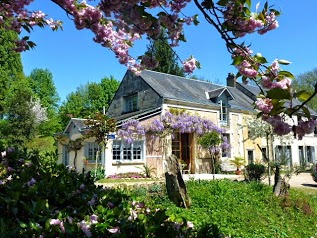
231 80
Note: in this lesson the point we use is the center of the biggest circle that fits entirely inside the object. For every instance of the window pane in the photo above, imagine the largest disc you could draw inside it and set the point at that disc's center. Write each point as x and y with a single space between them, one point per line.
116 148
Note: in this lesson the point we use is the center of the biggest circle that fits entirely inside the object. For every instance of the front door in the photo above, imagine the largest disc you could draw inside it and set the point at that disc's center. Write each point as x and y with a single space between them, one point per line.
181 147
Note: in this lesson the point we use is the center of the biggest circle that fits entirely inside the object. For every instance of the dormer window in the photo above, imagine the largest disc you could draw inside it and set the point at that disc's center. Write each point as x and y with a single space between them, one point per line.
131 103
221 96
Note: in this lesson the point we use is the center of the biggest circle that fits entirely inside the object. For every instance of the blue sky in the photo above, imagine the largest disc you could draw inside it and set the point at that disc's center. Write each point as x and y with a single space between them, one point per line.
74 59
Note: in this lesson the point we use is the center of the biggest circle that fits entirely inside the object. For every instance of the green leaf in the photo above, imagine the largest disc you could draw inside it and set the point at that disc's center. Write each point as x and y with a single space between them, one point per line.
237 60
248 2
260 59
196 22
286 74
303 95
278 93
222 3
284 62
306 111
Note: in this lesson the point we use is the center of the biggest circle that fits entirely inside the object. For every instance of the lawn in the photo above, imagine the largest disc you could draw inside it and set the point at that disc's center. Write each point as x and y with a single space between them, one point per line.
224 208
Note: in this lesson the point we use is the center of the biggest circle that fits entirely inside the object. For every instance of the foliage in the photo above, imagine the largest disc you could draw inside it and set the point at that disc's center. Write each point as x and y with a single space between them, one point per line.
163 56
211 141
306 81
11 68
238 209
254 172
43 87
42 144
42 84
88 99
98 173
20 124
148 171
40 198
100 127
238 161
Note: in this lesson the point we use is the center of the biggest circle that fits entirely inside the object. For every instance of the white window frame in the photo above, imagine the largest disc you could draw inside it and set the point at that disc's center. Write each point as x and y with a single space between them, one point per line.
223 117
65 155
90 152
125 152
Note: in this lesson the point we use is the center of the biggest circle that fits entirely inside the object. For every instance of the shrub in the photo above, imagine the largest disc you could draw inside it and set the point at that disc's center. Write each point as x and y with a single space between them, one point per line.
255 172
98 173
43 199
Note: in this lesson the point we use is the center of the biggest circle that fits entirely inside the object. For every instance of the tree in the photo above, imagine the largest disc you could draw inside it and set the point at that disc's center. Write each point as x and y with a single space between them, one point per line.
88 99
258 128
42 84
211 141
11 68
43 87
163 56
307 81
20 120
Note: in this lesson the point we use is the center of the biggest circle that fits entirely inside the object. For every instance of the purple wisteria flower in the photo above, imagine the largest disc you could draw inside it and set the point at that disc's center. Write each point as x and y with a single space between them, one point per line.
85 227
31 182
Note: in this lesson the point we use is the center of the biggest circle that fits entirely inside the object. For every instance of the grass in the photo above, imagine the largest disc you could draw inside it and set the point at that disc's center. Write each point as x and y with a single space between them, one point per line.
239 209
124 180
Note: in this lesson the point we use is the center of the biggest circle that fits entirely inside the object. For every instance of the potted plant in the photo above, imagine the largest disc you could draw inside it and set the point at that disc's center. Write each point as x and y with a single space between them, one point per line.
238 162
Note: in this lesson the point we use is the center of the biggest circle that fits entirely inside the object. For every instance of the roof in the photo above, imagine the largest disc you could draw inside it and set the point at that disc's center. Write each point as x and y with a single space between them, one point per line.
78 122
218 92
192 90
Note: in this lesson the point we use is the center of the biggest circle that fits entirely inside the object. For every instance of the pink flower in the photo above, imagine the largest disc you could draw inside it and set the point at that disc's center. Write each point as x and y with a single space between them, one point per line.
190 224
190 65
114 230
264 105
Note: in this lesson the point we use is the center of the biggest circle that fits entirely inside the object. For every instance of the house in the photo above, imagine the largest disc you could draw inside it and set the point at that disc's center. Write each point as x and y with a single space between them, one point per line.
150 95
296 152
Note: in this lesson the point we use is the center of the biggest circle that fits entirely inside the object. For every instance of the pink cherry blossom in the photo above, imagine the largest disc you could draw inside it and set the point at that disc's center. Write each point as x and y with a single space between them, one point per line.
265 105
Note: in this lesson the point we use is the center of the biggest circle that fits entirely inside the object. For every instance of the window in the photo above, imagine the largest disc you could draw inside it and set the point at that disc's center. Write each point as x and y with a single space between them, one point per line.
250 157
310 154
65 155
131 103
122 151
283 154
223 111
301 155
264 152
91 149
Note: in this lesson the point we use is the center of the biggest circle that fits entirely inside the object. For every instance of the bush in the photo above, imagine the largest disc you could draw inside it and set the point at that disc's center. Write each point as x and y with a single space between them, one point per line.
255 172
98 173
39 198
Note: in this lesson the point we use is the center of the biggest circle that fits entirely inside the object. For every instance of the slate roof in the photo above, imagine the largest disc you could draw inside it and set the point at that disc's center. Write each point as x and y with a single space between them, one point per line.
78 122
191 90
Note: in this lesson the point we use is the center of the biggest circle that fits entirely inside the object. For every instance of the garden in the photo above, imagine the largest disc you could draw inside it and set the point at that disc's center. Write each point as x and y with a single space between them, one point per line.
39 198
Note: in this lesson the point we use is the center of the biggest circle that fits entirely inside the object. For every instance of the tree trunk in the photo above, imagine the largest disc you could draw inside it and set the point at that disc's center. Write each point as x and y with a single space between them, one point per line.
281 187
75 159
175 185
